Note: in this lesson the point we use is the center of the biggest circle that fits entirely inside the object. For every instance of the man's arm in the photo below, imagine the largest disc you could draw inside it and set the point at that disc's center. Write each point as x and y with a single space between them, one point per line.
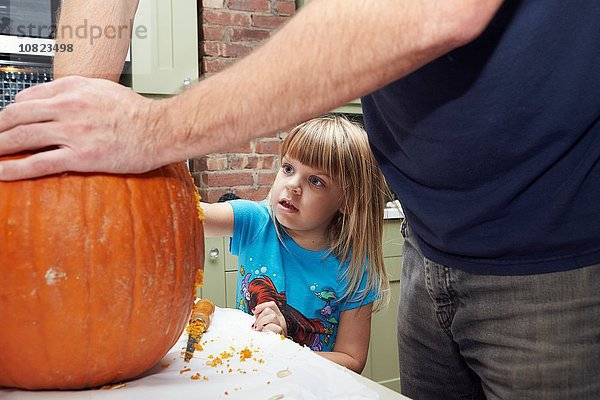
329 53
101 53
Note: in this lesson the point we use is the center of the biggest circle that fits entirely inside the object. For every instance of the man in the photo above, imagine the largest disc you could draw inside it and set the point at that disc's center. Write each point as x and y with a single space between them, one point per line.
485 119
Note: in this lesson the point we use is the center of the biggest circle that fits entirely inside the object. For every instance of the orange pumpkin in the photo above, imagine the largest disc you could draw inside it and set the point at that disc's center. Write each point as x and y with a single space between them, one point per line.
97 275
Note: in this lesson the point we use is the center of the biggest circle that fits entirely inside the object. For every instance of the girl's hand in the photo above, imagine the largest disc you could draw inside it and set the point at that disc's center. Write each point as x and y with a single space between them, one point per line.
269 318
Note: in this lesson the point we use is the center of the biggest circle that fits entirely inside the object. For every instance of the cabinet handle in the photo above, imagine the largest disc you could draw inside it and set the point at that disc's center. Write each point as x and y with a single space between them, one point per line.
213 253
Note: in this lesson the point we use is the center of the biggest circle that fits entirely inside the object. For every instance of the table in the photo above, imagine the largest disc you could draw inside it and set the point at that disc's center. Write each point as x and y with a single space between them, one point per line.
236 362
383 392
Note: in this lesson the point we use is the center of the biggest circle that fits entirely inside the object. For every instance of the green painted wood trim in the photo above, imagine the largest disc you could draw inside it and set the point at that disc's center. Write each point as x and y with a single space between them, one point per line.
354 107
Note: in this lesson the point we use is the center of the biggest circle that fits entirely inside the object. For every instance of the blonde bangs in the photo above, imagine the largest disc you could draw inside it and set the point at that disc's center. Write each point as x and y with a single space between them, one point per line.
319 145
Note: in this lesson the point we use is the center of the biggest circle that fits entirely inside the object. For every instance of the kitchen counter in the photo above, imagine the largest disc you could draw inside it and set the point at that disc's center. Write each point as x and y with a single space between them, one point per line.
235 363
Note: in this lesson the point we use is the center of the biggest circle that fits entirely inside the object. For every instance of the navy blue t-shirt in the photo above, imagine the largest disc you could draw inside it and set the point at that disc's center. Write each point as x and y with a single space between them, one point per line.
494 148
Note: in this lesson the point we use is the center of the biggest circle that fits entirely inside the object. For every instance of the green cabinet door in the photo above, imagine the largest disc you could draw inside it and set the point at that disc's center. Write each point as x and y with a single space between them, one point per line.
382 363
164 46
214 271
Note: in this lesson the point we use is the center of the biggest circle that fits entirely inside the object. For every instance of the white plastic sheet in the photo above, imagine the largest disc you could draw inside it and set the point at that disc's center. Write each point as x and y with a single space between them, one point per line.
276 369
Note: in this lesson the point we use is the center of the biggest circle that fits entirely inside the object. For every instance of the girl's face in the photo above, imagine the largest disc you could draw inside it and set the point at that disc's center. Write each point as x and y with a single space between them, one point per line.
304 200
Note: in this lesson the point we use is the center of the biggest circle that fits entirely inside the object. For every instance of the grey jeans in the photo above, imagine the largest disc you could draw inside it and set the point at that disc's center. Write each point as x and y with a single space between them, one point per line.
469 336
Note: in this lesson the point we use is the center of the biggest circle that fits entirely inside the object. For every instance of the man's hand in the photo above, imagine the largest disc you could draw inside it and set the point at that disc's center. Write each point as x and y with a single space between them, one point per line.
269 318
86 125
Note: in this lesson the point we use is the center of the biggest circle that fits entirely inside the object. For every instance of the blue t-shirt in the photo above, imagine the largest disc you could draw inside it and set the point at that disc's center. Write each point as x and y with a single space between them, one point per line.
494 148
306 285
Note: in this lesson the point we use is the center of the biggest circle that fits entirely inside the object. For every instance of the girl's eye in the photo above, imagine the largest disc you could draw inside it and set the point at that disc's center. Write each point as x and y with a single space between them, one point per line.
316 181
287 169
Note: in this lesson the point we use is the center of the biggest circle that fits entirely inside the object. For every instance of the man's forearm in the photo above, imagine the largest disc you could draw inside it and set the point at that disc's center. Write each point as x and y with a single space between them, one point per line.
99 32
329 53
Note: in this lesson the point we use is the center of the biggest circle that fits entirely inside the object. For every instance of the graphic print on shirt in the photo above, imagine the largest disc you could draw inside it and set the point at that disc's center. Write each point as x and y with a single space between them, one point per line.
314 333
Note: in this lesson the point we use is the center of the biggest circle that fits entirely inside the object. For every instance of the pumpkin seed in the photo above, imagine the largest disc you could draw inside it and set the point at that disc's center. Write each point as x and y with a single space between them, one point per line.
283 373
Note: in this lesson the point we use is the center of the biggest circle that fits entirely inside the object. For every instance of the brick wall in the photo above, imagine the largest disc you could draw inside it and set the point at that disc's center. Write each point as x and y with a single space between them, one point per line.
231 29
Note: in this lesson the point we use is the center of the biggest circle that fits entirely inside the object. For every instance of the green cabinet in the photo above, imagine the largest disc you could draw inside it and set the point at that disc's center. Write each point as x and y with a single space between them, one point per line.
382 362
220 277
220 272
164 46
214 271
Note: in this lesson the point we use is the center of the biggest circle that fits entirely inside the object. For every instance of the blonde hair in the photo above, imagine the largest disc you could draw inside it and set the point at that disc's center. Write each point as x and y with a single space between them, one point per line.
340 148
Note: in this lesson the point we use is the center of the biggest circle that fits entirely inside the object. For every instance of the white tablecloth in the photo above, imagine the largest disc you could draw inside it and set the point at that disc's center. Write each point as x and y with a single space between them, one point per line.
276 369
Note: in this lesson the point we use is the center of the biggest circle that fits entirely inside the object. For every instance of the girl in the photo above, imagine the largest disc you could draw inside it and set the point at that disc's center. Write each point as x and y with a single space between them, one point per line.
310 256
